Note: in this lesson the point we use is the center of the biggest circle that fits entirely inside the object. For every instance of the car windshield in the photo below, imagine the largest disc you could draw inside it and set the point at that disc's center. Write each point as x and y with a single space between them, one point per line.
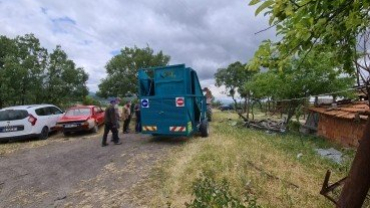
9 115
78 112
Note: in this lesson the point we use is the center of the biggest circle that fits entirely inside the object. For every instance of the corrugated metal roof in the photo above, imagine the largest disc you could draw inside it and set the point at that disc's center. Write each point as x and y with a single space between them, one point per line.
348 111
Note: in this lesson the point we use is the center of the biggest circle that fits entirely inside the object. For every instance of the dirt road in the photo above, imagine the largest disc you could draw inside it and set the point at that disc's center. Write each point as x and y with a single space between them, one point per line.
79 172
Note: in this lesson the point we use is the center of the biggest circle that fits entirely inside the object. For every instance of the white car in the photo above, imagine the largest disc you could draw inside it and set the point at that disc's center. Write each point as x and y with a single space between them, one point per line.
28 121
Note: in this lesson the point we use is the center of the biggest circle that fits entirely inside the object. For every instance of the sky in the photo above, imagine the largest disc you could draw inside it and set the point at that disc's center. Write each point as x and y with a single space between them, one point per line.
203 34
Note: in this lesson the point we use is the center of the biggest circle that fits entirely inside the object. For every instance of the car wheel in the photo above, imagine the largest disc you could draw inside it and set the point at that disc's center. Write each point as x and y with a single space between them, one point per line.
95 129
44 133
204 129
66 133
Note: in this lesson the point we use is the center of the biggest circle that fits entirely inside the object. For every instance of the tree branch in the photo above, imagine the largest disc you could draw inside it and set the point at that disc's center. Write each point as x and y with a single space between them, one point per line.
291 1
267 28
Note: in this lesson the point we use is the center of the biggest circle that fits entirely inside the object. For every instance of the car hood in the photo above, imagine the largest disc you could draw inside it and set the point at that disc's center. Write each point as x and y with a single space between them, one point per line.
72 118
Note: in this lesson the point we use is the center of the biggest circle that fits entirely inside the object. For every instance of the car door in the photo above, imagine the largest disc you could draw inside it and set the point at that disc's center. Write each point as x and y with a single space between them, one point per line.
99 115
54 115
43 114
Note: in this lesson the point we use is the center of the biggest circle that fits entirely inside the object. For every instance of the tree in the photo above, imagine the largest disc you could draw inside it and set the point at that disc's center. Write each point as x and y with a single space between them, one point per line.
7 51
29 75
326 25
317 75
31 64
23 63
64 82
89 100
334 26
122 70
234 78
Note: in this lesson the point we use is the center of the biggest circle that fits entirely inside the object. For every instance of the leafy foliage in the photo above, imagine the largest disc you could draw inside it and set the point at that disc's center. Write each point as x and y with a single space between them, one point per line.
234 77
64 79
89 100
335 26
209 193
29 75
122 70
319 74
306 24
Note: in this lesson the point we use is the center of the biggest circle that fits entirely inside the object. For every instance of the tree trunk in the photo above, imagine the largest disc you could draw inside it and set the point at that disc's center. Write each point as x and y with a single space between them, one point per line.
316 103
252 111
247 100
291 109
305 108
238 112
245 105
358 181
357 185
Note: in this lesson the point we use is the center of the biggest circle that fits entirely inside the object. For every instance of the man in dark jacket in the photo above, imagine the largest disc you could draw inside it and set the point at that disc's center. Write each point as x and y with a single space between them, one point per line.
138 118
111 124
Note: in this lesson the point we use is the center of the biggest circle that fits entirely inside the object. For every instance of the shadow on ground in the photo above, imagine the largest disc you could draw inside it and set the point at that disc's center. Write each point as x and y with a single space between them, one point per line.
170 140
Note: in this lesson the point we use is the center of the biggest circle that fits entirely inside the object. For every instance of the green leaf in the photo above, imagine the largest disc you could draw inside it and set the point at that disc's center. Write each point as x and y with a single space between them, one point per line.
253 2
264 6
306 36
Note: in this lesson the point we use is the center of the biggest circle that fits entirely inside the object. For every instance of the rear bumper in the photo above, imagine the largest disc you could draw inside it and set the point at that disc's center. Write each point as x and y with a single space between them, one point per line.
22 137
169 129
74 129
167 133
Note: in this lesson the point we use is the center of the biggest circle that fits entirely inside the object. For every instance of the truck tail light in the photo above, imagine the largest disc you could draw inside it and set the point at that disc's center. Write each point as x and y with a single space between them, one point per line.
32 119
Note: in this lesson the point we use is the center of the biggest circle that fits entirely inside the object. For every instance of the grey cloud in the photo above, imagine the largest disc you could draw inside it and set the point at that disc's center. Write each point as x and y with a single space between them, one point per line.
205 35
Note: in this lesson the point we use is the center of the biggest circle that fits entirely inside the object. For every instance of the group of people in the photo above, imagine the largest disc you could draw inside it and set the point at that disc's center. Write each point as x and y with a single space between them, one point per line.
113 118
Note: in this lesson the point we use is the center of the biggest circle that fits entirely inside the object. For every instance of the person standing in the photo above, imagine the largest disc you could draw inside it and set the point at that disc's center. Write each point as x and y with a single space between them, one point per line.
132 111
209 98
126 115
138 118
208 95
111 124
118 114
116 108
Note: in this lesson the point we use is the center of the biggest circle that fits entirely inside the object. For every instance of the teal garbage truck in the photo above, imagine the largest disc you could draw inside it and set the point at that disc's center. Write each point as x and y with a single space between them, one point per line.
172 102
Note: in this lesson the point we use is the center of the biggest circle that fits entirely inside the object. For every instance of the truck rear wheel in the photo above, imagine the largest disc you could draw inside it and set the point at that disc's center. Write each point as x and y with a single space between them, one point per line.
204 129
209 113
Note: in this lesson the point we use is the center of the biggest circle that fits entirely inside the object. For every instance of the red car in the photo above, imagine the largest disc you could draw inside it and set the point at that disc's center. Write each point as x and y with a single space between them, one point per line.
81 118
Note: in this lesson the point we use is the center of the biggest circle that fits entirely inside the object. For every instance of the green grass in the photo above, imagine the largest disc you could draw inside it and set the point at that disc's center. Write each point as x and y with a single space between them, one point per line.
264 165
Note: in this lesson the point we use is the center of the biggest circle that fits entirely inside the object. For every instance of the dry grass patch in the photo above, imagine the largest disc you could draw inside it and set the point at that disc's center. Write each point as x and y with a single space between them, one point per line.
265 165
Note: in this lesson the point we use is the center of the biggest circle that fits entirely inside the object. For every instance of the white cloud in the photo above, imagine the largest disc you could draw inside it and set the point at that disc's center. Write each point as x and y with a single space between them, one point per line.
204 35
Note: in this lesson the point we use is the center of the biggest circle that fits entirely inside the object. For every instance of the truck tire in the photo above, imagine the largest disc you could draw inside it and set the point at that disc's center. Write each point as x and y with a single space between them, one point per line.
209 113
204 129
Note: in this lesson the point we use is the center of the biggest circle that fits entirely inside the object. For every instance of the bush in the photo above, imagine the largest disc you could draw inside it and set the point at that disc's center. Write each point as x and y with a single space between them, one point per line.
88 100
209 193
